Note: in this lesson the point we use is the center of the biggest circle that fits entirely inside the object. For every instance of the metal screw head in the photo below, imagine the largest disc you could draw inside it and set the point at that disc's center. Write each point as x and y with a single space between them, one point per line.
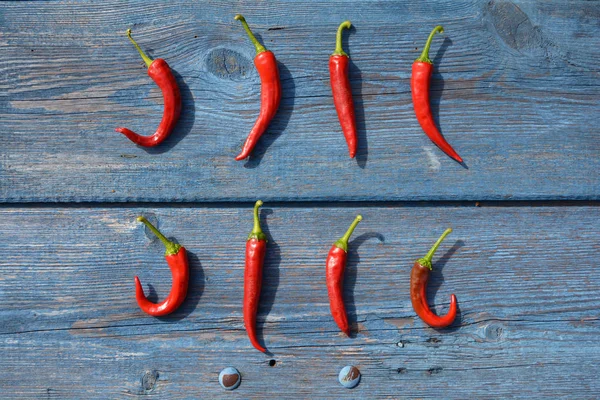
230 378
349 376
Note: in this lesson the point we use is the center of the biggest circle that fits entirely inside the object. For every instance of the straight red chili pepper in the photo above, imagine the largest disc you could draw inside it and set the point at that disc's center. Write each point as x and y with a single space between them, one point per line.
176 257
270 91
161 74
334 276
339 63
422 70
256 248
418 290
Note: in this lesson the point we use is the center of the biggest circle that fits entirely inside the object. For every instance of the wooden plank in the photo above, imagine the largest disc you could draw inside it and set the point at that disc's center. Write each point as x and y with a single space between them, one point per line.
515 91
526 278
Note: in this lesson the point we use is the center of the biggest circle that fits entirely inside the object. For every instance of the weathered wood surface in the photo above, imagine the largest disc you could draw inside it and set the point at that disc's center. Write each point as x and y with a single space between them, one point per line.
526 278
515 90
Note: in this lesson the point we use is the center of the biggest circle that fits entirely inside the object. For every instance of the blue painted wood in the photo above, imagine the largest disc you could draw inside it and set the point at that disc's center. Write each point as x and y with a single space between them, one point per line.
526 278
515 91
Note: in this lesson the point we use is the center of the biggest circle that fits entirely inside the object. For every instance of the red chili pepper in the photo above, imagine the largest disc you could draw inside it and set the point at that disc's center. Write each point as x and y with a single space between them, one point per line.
342 92
256 247
270 92
418 290
161 74
176 257
419 83
334 274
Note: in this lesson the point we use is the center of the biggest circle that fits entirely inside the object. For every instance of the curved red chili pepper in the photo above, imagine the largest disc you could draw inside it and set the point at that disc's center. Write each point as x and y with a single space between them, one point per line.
256 248
419 83
270 91
161 74
176 257
339 63
418 290
334 275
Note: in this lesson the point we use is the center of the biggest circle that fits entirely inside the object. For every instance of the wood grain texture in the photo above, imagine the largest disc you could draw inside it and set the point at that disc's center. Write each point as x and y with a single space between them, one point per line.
526 278
515 90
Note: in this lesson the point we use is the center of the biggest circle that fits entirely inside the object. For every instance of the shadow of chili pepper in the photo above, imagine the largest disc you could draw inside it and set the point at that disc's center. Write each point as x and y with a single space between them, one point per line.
185 122
436 90
270 281
435 282
356 82
279 122
150 293
350 277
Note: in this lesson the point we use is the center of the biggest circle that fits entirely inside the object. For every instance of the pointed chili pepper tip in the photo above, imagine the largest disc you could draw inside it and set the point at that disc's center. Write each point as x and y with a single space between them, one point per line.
259 347
338 39
170 247
425 54
426 261
342 243
257 232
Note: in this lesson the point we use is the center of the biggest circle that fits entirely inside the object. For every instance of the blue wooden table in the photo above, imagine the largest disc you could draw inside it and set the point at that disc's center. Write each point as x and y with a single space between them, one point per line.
515 91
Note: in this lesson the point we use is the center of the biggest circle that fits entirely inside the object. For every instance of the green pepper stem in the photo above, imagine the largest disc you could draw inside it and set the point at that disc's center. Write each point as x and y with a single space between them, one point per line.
338 39
171 247
146 59
425 54
426 261
259 47
342 243
257 232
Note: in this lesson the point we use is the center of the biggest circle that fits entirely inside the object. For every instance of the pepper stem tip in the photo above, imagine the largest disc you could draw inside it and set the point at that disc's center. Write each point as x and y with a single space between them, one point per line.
338 39
171 247
259 47
342 243
426 261
257 232
147 60
425 54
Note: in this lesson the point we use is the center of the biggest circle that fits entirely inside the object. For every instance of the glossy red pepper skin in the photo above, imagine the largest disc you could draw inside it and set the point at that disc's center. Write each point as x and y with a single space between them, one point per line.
161 74
334 275
255 256
420 80
339 63
419 277
177 260
256 248
335 267
178 263
270 92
